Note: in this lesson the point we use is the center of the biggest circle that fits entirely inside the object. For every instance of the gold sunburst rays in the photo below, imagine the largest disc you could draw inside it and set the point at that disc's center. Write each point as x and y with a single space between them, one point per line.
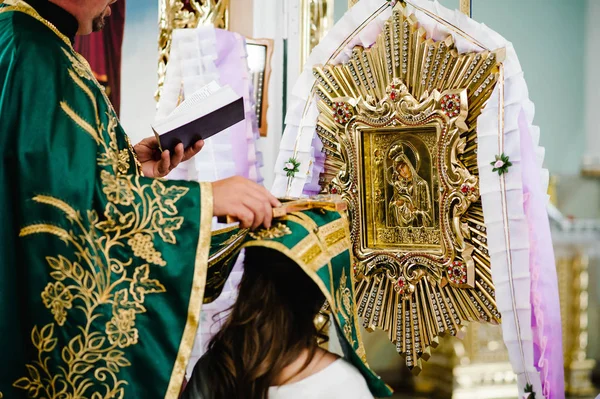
398 126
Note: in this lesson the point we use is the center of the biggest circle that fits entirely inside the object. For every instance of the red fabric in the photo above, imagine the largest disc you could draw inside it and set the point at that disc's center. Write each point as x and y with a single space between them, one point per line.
103 50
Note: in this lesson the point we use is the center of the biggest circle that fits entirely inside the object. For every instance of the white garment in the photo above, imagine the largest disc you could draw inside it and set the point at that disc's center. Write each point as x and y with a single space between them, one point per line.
338 380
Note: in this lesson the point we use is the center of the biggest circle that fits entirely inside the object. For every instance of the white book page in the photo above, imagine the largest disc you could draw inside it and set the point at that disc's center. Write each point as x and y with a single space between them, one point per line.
196 98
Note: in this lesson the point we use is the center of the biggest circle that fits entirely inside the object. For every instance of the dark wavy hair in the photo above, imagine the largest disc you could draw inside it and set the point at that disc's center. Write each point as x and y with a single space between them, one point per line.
270 325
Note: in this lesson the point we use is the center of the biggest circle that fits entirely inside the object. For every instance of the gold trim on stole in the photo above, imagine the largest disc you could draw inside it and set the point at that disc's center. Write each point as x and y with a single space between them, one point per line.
197 295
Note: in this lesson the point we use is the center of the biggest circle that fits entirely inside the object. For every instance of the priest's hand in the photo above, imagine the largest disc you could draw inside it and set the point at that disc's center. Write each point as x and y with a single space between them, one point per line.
244 200
157 164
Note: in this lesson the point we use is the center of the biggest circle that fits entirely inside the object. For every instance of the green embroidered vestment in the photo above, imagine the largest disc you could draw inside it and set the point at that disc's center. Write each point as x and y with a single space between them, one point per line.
103 270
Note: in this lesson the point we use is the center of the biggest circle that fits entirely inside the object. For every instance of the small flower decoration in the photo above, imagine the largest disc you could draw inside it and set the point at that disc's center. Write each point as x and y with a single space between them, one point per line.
117 189
342 113
392 2
457 273
395 89
451 105
501 164
57 297
529 393
291 167
121 328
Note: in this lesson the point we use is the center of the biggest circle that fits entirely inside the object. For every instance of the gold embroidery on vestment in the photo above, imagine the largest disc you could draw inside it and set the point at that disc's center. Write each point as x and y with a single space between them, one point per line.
278 231
80 121
344 297
135 216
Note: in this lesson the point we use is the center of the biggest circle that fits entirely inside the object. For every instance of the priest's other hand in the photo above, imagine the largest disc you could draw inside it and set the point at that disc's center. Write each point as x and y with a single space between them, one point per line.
244 200
157 164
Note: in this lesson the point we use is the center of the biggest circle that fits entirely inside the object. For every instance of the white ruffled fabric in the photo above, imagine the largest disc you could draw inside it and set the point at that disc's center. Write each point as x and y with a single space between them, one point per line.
192 65
194 61
506 223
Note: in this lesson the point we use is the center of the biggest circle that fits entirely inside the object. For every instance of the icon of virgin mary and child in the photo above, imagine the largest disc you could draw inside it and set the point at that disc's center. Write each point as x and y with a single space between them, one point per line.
410 205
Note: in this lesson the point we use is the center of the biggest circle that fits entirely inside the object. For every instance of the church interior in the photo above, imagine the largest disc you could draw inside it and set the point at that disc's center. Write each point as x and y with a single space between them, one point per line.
558 45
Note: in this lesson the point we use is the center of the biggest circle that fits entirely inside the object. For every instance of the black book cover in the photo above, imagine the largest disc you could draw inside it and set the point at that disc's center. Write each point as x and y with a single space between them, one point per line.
204 127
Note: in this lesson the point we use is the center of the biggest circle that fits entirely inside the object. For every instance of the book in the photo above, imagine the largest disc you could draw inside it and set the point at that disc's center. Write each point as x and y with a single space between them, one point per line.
208 111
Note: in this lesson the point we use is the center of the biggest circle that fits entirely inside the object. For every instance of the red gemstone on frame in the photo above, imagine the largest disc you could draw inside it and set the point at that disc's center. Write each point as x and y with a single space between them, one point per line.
393 95
401 284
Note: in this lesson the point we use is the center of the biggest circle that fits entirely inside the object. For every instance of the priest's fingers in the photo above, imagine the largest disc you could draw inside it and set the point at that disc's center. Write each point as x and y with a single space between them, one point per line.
258 209
236 195
193 150
268 215
177 157
245 216
162 166
149 142
261 204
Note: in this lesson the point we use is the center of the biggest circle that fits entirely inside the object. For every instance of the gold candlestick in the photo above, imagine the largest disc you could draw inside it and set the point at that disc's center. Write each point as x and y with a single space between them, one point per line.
573 287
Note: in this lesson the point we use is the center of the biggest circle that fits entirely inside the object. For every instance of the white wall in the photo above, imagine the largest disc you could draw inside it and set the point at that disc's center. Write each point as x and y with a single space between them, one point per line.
548 36
269 23
139 73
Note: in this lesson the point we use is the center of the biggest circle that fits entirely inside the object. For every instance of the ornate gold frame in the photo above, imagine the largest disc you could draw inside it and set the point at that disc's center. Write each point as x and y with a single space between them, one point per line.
177 14
426 274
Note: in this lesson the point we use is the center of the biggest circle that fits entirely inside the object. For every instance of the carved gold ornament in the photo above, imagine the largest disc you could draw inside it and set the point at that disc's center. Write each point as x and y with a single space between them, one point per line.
398 126
179 14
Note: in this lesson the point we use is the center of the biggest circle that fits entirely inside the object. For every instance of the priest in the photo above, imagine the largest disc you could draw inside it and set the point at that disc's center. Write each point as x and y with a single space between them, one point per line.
103 263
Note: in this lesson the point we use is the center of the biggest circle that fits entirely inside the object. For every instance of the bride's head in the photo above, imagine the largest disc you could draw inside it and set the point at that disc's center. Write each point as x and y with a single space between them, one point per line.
270 325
